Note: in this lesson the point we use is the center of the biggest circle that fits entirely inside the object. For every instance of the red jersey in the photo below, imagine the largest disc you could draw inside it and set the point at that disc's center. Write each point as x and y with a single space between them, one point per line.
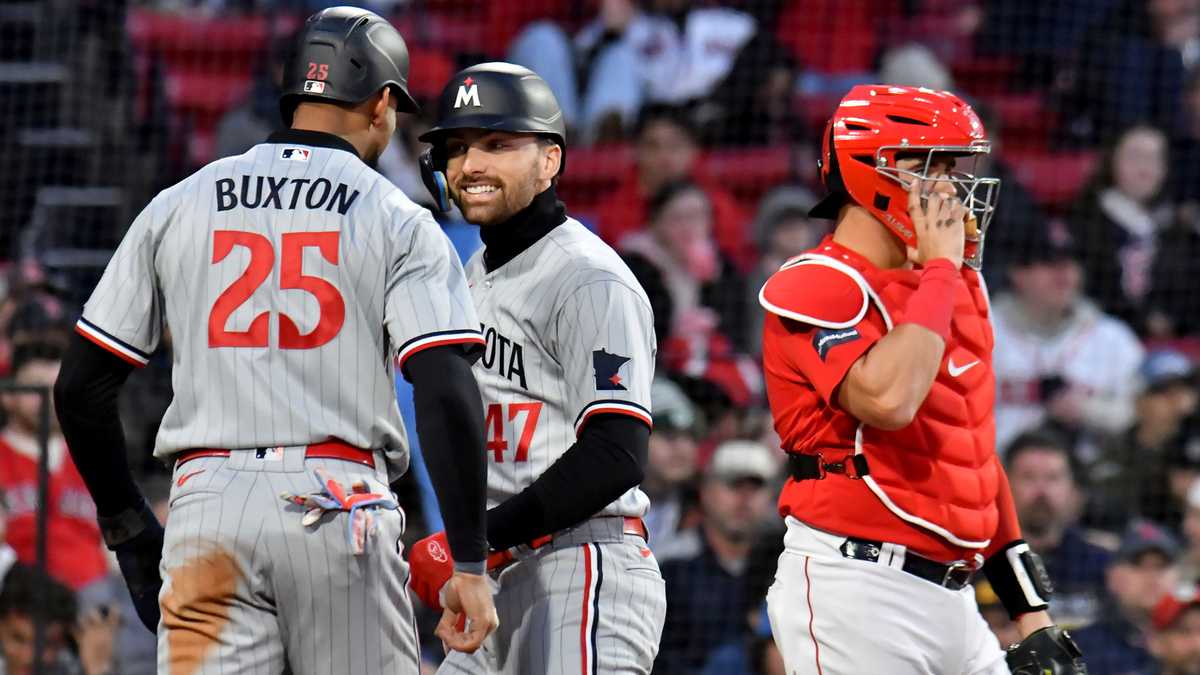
74 547
936 485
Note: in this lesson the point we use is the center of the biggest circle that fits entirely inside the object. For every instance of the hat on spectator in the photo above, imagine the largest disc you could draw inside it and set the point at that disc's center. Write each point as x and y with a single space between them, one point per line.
1172 605
1164 367
1049 241
738 459
1141 537
673 410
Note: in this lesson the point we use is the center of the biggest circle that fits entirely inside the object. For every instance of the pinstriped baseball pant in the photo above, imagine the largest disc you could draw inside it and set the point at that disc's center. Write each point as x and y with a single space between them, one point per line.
248 589
591 602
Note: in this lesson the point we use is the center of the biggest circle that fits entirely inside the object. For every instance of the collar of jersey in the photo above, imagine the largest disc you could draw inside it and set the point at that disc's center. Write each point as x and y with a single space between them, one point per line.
317 139
505 241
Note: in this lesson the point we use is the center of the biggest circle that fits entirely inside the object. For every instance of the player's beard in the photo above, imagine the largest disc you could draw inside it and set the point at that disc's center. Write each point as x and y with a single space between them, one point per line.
515 195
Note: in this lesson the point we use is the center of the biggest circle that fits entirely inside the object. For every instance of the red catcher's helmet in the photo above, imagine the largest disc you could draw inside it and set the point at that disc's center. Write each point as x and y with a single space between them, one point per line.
873 125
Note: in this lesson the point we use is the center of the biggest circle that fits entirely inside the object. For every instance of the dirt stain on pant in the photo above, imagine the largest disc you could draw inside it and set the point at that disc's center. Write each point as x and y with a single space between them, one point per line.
196 607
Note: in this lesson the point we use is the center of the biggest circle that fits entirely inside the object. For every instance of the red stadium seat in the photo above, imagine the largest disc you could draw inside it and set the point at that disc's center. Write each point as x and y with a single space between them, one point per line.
1054 178
1025 120
832 36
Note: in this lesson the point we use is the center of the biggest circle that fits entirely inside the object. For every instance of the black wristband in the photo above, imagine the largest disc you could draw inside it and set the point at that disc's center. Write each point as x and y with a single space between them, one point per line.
126 525
1019 579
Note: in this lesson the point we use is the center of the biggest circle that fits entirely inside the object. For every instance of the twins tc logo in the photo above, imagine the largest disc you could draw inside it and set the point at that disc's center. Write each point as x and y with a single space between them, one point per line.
468 93
608 367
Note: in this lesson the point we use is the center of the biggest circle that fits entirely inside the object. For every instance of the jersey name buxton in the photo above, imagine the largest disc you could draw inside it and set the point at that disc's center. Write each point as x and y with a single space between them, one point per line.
290 278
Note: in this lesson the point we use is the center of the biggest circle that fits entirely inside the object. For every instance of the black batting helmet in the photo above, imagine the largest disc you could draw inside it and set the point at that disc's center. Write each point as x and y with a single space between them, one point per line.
496 96
346 54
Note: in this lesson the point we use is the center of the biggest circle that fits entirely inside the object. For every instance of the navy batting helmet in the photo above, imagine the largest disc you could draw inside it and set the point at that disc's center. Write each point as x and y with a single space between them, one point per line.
494 96
346 54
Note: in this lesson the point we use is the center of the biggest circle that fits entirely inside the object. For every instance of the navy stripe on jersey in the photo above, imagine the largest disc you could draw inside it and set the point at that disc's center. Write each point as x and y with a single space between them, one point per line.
106 340
437 339
612 405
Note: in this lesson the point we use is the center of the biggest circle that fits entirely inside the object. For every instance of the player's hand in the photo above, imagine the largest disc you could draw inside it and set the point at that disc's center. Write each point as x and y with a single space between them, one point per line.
939 219
470 612
139 553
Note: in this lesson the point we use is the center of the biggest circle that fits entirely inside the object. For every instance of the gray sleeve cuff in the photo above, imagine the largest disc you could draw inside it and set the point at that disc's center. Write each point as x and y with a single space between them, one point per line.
471 567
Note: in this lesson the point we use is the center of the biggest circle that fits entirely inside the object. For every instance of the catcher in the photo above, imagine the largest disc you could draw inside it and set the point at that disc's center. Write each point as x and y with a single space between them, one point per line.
877 352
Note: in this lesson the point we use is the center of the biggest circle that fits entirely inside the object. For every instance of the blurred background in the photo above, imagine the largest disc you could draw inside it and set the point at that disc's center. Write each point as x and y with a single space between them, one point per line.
693 126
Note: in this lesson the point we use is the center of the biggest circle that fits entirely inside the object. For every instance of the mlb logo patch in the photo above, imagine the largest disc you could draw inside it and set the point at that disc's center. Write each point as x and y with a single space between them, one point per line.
295 154
314 87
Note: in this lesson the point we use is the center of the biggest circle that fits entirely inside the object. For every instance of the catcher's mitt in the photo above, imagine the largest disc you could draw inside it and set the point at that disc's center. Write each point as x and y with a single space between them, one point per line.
1049 651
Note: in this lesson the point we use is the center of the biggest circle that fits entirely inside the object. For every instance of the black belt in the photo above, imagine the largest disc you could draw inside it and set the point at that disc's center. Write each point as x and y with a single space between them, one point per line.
814 467
954 576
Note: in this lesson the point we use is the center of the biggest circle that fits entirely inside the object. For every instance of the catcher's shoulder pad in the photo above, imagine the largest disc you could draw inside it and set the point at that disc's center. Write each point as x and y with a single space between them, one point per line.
816 290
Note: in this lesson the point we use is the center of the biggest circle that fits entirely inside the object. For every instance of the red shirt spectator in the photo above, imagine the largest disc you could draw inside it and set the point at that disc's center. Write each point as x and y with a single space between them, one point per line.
74 547
667 150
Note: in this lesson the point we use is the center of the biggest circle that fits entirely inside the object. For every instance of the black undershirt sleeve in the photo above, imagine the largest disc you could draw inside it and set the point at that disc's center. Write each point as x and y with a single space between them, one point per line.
449 414
606 460
85 398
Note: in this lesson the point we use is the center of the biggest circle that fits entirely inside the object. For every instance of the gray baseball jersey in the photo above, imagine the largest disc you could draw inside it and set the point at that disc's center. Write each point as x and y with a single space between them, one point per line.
569 334
288 278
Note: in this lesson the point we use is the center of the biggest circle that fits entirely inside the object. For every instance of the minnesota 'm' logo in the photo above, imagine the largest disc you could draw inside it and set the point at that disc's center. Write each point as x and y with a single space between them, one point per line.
607 367
468 92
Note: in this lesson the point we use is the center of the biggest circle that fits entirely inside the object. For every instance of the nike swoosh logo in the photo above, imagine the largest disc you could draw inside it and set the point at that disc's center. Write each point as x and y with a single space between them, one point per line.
955 371
186 477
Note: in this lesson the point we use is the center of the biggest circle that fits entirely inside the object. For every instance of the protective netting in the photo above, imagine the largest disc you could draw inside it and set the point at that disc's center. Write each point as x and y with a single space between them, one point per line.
705 118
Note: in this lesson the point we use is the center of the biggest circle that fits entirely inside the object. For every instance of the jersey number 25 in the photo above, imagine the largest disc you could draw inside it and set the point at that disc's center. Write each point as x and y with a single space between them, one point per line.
291 276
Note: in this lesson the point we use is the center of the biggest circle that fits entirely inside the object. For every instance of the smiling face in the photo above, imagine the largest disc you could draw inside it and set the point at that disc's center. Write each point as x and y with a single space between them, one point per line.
494 174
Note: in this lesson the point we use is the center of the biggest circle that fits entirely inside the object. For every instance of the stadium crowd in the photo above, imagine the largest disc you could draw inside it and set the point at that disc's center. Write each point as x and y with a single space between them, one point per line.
693 128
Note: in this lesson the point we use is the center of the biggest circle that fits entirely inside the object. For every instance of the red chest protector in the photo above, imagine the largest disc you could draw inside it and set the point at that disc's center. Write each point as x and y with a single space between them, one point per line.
938 474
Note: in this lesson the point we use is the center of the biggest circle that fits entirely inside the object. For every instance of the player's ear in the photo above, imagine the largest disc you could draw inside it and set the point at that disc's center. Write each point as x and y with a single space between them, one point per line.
380 105
551 160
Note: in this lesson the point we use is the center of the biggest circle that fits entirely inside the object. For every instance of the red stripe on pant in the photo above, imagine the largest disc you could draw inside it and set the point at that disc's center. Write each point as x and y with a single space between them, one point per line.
583 622
811 616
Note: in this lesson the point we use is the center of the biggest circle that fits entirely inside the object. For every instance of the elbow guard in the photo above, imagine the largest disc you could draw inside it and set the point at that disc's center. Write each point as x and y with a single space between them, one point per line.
1019 579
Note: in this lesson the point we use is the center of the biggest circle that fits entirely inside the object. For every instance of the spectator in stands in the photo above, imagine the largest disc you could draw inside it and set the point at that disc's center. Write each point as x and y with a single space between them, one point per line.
1135 461
915 65
247 124
1058 358
677 255
673 52
671 465
1175 288
781 229
1131 66
1175 640
1048 499
1120 216
1163 494
70 647
666 150
704 587
74 549
1141 572
1189 565
753 104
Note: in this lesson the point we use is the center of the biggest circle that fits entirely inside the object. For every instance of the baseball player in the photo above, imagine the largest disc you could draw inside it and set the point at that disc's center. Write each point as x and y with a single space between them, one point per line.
878 354
565 379
290 278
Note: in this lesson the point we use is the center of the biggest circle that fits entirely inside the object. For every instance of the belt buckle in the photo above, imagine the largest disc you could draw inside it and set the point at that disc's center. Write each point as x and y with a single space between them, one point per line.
843 467
956 567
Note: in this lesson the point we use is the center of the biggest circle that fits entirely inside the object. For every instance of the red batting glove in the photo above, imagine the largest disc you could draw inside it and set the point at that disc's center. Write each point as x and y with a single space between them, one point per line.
430 568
